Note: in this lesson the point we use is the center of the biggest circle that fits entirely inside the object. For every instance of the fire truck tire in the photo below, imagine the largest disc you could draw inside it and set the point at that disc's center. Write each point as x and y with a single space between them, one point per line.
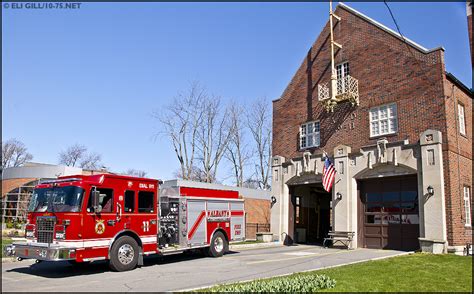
124 254
218 245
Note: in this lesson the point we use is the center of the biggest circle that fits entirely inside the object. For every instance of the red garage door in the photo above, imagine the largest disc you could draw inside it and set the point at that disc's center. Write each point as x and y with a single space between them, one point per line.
389 213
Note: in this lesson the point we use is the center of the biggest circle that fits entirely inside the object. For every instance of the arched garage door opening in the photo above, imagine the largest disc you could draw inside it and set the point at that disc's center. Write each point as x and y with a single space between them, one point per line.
388 213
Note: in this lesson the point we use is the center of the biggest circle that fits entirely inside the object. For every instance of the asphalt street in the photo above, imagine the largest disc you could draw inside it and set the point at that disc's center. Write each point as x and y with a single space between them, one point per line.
179 272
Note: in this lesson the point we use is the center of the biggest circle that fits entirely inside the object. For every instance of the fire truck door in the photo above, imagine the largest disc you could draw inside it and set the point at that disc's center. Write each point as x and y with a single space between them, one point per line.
145 222
100 227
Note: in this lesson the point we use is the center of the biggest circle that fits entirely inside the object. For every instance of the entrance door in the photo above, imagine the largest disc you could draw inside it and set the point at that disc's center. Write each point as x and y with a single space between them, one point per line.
311 214
390 213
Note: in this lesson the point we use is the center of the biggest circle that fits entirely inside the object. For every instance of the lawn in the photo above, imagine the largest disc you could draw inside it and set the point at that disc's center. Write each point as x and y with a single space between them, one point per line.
414 273
5 241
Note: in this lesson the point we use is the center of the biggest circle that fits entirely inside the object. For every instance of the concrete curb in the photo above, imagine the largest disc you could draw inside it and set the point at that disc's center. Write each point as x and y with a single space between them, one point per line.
305 271
254 245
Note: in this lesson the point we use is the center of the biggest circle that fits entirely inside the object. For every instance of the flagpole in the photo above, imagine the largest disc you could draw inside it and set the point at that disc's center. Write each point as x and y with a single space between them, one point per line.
333 70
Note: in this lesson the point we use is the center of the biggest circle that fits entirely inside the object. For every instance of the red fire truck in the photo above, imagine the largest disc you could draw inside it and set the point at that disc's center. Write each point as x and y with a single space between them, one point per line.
118 218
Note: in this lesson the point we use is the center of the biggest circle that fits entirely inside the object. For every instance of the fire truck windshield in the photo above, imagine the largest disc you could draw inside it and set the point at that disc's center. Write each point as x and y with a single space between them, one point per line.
57 199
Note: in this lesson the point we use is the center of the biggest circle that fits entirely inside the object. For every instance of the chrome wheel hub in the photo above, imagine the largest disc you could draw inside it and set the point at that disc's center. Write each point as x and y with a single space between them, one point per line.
218 244
126 254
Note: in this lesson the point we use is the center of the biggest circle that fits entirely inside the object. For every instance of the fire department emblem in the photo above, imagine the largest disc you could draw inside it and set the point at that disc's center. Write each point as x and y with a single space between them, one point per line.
100 227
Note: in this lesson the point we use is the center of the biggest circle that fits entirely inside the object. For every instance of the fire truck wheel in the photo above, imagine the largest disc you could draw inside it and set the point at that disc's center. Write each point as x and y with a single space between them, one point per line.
124 254
218 245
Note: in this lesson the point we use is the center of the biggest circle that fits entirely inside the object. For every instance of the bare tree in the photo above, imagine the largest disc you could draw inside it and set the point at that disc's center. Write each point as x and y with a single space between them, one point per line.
135 173
91 161
196 174
180 122
14 153
77 155
252 183
72 155
213 136
237 151
259 124
198 130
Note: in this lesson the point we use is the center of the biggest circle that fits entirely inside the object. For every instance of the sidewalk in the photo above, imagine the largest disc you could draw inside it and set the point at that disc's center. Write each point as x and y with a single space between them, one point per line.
254 245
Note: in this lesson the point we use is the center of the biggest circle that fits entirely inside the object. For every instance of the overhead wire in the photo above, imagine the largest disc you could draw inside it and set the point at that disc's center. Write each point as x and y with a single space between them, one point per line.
432 83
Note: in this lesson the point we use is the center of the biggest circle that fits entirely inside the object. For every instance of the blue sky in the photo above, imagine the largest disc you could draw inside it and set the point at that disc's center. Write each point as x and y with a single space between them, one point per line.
94 75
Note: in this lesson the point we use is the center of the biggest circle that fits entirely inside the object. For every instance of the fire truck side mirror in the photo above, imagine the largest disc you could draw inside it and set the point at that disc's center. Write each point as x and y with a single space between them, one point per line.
96 200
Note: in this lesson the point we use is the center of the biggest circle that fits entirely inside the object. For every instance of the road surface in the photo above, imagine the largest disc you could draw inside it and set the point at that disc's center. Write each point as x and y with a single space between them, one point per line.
178 272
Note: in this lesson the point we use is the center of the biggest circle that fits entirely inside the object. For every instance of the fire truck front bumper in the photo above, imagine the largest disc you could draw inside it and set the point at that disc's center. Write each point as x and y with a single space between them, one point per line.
40 251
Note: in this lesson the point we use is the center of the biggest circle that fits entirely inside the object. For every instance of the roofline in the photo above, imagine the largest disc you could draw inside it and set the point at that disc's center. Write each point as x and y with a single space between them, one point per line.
461 85
388 30
107 175
245 192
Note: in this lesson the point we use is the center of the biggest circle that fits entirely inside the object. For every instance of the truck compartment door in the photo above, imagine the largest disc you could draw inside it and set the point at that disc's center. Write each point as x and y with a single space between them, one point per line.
196 221
237 221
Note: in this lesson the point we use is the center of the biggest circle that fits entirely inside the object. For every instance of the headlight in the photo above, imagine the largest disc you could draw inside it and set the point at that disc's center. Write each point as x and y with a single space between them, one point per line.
10 250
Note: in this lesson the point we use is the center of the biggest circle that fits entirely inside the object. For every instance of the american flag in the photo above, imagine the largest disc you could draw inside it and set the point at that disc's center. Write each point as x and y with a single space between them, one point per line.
329 173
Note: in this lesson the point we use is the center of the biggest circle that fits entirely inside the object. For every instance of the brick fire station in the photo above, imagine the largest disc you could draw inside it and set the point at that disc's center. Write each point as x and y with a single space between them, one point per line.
398 130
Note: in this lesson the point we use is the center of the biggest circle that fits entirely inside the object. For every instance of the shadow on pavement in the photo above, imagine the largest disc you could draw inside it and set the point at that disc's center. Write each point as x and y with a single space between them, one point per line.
63 269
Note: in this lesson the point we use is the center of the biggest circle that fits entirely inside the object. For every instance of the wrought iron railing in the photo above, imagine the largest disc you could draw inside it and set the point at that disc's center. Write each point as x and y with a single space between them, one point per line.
347 89
251 229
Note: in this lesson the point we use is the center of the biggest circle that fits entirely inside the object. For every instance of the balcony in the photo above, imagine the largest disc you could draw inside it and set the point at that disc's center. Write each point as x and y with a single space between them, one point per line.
347 89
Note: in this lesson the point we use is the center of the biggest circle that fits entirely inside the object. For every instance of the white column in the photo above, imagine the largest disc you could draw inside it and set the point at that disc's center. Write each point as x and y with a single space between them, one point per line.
343 208
277 216
432 207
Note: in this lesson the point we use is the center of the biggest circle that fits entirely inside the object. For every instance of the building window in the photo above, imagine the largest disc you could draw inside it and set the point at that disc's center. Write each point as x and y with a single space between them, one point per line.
297 209
342 70
309 135
383 120
467 206
462 120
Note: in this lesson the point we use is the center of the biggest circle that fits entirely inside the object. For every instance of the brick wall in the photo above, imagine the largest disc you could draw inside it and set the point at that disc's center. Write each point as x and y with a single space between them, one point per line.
257 217
388 71
258 211
10 184
457 163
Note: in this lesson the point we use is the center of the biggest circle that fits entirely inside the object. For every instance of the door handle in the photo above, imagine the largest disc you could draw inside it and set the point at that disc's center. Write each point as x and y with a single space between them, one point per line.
119 212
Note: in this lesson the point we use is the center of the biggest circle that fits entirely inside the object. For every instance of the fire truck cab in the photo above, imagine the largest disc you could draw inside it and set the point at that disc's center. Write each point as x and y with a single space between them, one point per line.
121 219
